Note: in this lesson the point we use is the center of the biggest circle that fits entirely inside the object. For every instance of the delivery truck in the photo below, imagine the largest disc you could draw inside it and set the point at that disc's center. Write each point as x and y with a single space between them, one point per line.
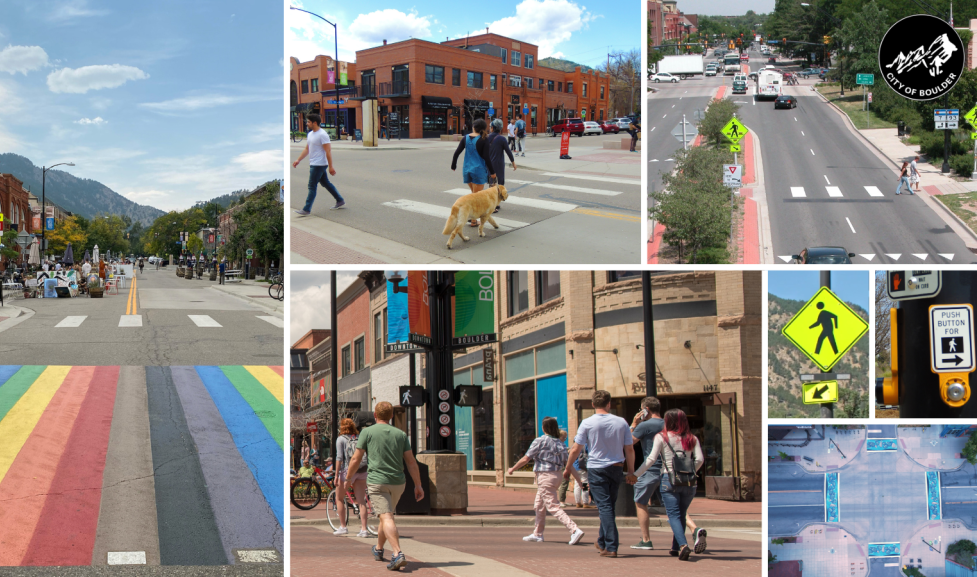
682 65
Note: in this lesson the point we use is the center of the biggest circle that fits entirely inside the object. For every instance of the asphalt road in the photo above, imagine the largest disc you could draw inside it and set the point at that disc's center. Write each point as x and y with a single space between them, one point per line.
815 176
405 196
167 336
795 498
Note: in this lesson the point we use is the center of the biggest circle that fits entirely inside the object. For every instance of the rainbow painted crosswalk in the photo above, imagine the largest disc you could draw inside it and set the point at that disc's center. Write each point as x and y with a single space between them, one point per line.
132 465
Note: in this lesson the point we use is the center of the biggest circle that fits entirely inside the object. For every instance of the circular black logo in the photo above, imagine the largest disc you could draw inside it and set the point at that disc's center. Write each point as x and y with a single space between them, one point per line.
921 57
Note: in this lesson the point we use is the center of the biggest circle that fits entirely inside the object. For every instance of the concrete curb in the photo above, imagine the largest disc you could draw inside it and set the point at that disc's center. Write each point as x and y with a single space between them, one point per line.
277 306
16 316
474 521
970 240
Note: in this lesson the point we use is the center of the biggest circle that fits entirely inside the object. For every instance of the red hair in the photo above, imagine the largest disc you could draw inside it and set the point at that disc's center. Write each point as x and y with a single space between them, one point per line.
677 424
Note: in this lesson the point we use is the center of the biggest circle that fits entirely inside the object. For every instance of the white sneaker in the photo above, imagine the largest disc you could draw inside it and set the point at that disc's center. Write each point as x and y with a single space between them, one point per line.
563 505
363 534
576 536
341 531
534 538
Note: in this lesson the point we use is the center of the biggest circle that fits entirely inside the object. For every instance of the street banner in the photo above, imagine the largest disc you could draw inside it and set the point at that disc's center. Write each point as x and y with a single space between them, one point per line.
322 390
474 307
330 76
565 143
398 321
418 306
50 223
37 222
342 74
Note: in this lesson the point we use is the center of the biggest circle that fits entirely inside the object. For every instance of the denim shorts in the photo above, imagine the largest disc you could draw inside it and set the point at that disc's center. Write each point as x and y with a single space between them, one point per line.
645 488
479 176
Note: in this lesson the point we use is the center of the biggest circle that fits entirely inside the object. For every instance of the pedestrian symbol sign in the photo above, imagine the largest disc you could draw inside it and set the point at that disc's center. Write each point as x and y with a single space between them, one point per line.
913 284
818 393
952 338
971 117
825 329
734 130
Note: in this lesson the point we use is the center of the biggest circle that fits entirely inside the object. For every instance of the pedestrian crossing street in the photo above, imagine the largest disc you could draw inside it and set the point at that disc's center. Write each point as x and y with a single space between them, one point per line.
835 192
510 207
132 321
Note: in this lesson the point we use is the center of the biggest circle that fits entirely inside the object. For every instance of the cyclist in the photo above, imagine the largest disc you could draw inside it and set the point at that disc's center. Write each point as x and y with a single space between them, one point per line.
347 480
306 470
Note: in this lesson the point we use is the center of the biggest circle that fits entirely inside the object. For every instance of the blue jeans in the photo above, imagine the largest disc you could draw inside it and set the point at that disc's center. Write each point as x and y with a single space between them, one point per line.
904 180
603 486
317 175
677 501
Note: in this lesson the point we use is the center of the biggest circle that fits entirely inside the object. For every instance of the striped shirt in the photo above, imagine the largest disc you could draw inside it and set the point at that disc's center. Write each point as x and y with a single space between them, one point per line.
548 454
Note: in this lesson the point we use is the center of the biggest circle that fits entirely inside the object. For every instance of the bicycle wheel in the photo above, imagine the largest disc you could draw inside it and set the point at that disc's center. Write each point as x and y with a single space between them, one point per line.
273 290
281 292
332 513
353 516
306 494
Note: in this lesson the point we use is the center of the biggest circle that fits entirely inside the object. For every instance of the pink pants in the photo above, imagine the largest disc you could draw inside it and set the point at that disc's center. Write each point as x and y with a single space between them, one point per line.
547 482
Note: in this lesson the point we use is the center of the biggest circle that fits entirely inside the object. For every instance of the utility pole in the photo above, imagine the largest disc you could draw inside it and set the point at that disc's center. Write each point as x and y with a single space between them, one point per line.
651 369
333 376
827 409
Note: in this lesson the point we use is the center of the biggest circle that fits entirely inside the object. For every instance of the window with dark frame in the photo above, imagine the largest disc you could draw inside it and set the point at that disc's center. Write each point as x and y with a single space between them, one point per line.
529 82
474 79
315 85
547 286
529 61
559 87
346 365
516 58
602 92
584 90
378 339
433 74
456 77
305 87
505 56
549 85
493 81
621 275
359 346
518 282
569 87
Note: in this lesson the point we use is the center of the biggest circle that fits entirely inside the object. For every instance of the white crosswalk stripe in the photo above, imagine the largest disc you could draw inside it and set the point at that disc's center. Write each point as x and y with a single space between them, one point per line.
130 321
443 212
597 191
797 191
873 191
71 322
635 182
521 201
280 323
204 321
833 191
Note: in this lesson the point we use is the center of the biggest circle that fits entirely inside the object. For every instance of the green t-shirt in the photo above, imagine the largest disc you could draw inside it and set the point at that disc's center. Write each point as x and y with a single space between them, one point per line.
385 446
306 471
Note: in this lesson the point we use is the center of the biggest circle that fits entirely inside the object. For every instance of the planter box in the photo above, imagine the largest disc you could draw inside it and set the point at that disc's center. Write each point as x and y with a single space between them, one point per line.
179 271
213 274
96 293
189 274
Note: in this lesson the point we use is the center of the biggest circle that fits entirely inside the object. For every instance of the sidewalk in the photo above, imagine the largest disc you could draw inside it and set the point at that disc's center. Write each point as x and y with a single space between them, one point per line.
11 314
310 243
507 508
252 291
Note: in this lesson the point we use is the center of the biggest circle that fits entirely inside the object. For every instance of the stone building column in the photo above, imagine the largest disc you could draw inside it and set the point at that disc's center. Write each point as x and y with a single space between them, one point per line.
581 362
739 302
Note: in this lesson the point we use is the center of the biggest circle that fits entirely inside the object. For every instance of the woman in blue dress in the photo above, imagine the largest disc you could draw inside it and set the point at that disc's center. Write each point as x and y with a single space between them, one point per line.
475 146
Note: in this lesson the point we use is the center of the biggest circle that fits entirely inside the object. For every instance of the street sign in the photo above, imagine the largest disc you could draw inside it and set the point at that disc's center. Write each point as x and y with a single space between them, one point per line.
973 136
971 117
491 112
825 329
870 97
336 101
468 395
445 431
733 175
952 125
488 365
952 338
735 148
866 79
822 392
734 130
311 427
913 284
444 394
565 143
444 407
249 253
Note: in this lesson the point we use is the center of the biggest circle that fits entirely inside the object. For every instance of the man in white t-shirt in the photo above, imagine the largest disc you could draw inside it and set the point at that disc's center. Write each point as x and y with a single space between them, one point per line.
319 151
86 268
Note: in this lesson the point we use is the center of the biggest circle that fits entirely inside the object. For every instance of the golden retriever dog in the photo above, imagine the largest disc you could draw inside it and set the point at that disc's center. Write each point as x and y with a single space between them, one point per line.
478 205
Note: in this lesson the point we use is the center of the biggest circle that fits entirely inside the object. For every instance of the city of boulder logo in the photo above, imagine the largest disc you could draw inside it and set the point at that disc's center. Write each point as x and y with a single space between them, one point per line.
921 57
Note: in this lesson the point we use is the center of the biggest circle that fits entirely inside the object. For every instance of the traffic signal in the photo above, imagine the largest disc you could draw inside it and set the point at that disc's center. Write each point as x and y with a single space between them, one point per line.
785 42
827 39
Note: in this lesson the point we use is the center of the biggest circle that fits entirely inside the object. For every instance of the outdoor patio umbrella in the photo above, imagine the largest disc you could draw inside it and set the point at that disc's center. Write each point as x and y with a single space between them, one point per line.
35 256
95 255
69 256
87 256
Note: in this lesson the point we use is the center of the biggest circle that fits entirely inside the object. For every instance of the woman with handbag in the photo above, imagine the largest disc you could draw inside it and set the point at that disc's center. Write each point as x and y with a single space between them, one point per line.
681 458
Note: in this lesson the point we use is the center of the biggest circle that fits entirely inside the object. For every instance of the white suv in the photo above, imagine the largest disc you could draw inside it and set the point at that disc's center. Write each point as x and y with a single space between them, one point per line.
622 123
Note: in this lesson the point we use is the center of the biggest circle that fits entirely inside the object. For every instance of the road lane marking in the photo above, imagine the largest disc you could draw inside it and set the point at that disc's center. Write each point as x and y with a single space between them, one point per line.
653 160
785 259
130 321
797 191
653 128
204 321
443 212
664 115
669 160
127 558
867 256
812 152
522 201
850 225
597 191
826 179
673 106
946 255
920 256
273 320
71 322
605 214
894 256
873 191
833 191
636 182
795 119
802 133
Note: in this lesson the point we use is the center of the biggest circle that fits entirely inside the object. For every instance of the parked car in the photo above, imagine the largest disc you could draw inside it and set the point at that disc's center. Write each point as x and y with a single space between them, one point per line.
664 77
785 101
591 127
710 70
824 255
809 72
571 125
623 123
609 126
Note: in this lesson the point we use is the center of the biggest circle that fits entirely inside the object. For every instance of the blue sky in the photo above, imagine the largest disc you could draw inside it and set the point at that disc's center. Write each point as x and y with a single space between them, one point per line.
851 286
578 31
725 8
167 103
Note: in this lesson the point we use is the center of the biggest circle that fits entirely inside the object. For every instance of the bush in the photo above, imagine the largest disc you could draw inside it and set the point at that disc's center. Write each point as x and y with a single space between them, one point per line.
931 144
717 115
962 164
713 255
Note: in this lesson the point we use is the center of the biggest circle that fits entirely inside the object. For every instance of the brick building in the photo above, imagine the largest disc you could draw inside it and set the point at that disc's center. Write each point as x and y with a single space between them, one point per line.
434 89
312 86
15 204
667 22
563 334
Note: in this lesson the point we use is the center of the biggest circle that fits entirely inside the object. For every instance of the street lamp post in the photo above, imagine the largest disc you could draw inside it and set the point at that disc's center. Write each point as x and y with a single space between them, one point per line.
43 213
336 64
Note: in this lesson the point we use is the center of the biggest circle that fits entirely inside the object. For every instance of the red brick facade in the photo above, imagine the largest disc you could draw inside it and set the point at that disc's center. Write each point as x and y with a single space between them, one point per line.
353 324
399 76
308 85
14 205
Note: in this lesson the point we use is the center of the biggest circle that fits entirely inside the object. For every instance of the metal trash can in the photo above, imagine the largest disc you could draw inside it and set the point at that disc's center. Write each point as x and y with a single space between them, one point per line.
624 507
902 128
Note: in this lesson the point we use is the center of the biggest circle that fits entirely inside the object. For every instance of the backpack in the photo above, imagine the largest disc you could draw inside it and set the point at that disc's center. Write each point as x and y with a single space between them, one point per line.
348 454
681 472
521 131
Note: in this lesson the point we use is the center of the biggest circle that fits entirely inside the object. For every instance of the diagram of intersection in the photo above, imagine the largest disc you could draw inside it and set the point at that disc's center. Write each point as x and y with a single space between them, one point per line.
873 500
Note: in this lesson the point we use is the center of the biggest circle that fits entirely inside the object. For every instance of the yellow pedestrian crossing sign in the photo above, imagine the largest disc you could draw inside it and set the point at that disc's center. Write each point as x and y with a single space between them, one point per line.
735 148
734 130
825 329
971 116
823 392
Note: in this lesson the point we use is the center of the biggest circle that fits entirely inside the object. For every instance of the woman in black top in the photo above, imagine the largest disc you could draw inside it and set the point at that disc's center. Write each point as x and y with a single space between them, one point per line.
633 129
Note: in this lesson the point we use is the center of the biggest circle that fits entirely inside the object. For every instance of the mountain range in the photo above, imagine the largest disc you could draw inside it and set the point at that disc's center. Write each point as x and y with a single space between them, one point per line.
564 65
83 196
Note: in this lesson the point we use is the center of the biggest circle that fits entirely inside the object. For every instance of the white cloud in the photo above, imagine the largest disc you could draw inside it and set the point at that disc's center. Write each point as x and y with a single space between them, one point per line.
202 101
67 12
391 25
23 59
544 23
81 80
261 161
96 121
149 197
309 300
307 37
10 101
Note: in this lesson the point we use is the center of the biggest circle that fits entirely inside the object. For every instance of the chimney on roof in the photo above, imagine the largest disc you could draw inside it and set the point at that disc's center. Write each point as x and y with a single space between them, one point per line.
384 41
486 29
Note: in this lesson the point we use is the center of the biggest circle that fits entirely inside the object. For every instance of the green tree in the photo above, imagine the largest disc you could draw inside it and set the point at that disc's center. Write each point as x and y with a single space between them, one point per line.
109 233
969 451
8 240
859 38
719 113
194 244
260 226
852 404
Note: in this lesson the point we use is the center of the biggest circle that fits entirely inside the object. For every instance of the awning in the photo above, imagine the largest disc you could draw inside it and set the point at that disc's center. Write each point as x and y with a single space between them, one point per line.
307 107
477 104
436 102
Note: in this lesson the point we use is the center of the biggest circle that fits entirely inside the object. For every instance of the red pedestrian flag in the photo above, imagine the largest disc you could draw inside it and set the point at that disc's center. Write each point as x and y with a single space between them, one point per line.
322 390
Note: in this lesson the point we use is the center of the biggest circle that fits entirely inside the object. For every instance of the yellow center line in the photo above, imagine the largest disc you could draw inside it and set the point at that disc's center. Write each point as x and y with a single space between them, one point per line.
131 302
613 215
135 293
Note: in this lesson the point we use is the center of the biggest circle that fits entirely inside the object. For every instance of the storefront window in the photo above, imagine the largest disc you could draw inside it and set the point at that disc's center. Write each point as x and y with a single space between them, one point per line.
518 292
483 430
551 358
519 366
716 422
435 121
533 117
521 417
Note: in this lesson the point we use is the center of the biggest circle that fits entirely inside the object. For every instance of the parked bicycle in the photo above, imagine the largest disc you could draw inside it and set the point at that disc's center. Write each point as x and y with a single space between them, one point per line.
277 288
